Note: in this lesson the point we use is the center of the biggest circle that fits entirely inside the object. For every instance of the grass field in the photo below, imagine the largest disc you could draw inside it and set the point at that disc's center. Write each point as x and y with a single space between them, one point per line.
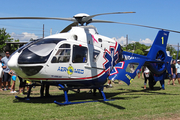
131 102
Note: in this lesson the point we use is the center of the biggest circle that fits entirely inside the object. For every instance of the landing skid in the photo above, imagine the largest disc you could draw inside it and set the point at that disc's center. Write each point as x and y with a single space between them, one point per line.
65 89
67 102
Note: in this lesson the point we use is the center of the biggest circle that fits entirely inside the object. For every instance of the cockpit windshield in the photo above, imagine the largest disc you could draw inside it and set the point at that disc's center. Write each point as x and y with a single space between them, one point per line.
38 52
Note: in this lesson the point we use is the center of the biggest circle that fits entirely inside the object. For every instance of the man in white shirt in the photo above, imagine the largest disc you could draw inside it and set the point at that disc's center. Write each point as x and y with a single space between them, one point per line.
146 76
178 70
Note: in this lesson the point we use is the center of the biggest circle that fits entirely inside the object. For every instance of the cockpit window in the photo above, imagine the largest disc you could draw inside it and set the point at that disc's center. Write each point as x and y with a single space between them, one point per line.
38 52
63 54
43 47
79 54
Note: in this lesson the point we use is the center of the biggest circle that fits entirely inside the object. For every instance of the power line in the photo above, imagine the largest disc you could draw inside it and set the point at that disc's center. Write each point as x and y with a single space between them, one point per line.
20 26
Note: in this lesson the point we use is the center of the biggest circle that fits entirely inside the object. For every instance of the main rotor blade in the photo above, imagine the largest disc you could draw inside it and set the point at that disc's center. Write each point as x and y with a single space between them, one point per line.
91 16
54 18
103 21
69 27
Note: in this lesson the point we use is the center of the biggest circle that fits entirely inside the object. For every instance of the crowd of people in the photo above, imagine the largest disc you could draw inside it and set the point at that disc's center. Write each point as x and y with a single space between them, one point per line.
175 72
6 75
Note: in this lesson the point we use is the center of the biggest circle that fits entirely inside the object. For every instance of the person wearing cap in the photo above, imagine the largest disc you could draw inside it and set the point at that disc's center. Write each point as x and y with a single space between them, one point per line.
178 70
6 75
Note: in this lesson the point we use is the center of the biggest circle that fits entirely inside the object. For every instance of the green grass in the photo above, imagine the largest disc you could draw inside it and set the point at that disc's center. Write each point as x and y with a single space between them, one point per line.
131 102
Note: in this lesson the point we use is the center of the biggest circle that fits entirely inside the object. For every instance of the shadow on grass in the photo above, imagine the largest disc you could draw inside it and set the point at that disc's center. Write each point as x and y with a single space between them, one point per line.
154 91
83 96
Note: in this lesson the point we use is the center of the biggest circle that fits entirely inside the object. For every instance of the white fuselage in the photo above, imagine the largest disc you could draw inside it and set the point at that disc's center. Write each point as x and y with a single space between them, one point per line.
79 55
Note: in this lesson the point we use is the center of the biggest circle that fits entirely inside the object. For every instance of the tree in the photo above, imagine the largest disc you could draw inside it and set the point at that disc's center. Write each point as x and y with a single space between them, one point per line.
14 47
139 51
137 48
4 37
172 51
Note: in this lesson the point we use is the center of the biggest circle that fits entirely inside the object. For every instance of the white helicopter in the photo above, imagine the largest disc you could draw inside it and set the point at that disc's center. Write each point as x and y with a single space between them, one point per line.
79 57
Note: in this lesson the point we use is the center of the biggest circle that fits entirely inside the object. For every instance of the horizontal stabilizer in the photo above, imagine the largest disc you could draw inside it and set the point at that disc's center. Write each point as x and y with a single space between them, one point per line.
126 70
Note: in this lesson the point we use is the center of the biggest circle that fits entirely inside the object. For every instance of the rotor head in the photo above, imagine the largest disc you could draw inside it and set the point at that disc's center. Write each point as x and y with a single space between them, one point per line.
80 18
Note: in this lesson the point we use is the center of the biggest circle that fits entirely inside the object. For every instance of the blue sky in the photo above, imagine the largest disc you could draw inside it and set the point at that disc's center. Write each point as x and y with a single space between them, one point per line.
157 13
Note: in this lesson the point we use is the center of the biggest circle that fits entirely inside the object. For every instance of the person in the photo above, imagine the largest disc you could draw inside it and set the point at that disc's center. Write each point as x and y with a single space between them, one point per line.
138 72
21 86
13 77
1 72
178 70
146 76
131 68
28 83
109 83
142 73
46 86
6 75
173 72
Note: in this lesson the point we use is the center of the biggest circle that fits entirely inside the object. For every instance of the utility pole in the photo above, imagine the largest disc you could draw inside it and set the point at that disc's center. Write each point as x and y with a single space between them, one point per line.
126 42
51 31
43 30
177 52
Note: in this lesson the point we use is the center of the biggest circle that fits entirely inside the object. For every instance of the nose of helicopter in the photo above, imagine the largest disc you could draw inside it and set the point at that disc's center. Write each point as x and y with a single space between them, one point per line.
22 70
12 63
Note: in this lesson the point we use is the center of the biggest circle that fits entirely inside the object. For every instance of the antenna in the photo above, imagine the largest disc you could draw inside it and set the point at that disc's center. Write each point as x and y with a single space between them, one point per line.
43 30
126 42
177 52
51 31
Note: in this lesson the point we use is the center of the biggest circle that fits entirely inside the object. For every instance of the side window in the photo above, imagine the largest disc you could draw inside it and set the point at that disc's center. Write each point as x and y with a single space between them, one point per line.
95 55
63 54
79 54
132 67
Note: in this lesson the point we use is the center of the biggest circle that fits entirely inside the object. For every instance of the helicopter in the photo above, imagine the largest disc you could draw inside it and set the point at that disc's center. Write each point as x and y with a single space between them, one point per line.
80 58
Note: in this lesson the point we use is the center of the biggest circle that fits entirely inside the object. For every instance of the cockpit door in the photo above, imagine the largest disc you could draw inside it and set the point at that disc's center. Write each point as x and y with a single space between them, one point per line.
57 65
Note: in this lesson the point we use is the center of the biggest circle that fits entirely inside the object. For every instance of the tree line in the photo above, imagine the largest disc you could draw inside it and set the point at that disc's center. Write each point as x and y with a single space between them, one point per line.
5 37
142 49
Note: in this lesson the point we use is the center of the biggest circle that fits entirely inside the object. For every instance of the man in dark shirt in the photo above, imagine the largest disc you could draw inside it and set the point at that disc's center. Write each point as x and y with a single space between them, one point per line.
173 72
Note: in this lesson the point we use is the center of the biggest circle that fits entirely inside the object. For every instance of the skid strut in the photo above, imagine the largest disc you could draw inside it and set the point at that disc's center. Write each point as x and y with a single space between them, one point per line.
67 102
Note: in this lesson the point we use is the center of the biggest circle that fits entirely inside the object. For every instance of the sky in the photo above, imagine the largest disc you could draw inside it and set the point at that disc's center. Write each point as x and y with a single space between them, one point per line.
157 13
